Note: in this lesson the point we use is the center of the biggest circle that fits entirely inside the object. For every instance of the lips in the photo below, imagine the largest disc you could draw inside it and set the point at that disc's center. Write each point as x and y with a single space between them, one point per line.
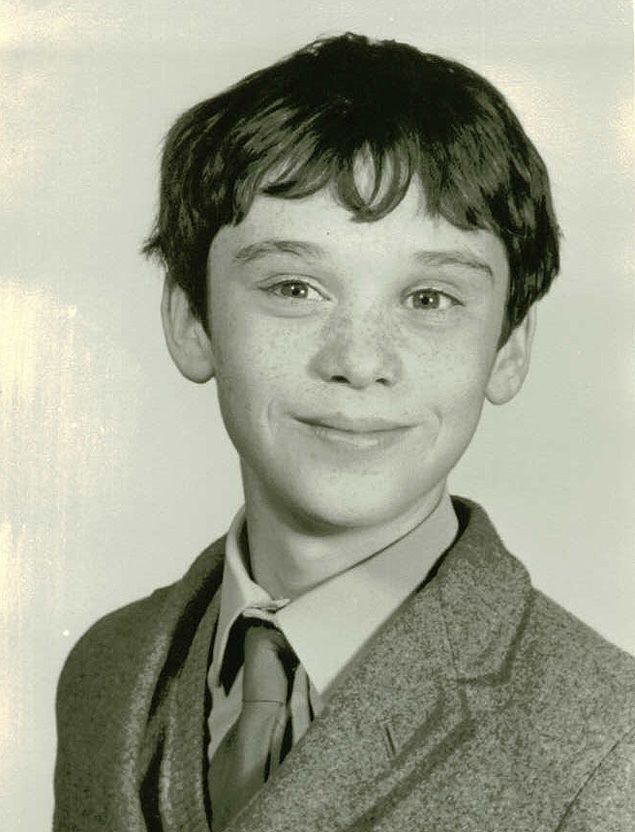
357 434
362 425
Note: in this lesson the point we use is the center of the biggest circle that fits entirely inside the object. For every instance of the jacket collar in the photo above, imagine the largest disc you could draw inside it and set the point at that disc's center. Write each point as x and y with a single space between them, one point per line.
484 593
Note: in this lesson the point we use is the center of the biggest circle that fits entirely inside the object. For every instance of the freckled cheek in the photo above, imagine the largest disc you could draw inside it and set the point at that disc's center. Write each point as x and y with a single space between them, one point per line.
258 368
450 381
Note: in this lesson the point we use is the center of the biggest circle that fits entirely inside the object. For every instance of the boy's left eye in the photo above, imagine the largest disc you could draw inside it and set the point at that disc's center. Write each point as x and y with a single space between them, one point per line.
432 299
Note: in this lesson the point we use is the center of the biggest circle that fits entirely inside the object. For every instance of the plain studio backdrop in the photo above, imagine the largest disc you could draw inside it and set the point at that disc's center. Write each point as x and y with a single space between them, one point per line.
115 471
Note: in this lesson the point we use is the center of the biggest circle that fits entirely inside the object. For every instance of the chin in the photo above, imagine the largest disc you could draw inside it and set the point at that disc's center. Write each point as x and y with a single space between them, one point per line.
355 507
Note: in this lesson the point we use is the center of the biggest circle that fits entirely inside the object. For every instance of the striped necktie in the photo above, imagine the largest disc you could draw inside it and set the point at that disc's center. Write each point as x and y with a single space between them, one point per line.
275 713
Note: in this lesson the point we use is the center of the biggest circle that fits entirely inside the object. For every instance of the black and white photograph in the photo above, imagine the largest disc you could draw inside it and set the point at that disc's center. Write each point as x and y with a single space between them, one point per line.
317 443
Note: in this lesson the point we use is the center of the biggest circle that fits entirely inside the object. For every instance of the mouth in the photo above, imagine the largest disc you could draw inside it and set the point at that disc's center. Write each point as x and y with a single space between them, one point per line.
358 432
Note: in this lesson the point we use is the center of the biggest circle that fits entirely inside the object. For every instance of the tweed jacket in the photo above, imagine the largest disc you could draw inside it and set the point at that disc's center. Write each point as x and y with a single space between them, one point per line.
480 706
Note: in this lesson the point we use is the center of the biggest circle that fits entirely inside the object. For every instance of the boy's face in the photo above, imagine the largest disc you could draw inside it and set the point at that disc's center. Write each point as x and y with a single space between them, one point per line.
352 359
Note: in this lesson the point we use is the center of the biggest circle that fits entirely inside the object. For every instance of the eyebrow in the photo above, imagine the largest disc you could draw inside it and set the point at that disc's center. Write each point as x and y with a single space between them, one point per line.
301 248
297 248
464 259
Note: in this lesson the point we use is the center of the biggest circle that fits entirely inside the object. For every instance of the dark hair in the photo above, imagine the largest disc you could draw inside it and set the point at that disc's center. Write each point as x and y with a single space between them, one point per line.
305 122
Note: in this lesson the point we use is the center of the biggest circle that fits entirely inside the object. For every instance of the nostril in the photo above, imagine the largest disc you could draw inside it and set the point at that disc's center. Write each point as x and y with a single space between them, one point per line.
346 380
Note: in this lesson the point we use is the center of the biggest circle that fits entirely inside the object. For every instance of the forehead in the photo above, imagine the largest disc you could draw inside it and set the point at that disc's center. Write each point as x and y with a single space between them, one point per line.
323 228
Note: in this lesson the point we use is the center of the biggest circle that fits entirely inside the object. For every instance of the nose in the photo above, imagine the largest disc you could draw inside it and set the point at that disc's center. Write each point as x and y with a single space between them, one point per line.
359 352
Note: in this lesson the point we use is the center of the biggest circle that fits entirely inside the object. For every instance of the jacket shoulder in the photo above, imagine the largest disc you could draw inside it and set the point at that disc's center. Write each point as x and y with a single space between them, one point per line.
109 658
110 695
587 694
574 655
570 700
113 640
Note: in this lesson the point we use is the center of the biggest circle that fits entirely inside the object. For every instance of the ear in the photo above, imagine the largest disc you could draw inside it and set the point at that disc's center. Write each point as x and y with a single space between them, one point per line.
512 361
188 342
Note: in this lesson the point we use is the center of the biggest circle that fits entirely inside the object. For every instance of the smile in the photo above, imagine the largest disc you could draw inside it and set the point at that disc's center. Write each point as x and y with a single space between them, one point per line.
360 433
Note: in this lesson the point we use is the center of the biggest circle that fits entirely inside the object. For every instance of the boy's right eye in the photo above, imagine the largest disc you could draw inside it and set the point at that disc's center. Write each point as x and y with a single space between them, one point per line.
294 290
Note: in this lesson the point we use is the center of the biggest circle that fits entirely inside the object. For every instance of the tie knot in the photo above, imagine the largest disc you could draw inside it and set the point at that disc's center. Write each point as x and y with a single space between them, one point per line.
269 665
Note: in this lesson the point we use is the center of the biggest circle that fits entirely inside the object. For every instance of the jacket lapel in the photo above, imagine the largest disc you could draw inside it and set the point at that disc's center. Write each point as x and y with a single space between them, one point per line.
402 707
183 791
397 708
173 791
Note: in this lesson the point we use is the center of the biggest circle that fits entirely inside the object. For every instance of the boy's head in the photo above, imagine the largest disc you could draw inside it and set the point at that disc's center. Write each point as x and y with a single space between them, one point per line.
306 122
353 240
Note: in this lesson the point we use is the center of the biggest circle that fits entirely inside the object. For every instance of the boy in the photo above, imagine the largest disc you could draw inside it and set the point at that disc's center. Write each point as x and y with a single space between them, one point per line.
354 241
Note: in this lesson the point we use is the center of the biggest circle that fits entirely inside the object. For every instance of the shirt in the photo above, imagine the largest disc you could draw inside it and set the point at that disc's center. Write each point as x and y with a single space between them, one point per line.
328 625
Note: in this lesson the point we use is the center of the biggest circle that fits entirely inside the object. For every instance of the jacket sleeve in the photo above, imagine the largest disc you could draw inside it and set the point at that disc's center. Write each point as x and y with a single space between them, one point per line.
606 803
101 707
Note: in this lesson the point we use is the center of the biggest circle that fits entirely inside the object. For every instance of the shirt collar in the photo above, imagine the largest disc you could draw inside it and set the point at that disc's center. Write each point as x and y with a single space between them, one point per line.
329 624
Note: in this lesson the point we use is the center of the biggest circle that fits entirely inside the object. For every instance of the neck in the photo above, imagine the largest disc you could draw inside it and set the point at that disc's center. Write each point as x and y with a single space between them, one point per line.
290 555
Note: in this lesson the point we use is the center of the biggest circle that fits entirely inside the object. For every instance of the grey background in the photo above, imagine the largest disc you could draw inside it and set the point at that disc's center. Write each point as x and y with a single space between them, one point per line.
115 471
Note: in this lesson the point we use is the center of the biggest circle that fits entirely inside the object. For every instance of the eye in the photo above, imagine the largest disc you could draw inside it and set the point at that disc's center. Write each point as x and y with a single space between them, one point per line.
294 290
432 299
